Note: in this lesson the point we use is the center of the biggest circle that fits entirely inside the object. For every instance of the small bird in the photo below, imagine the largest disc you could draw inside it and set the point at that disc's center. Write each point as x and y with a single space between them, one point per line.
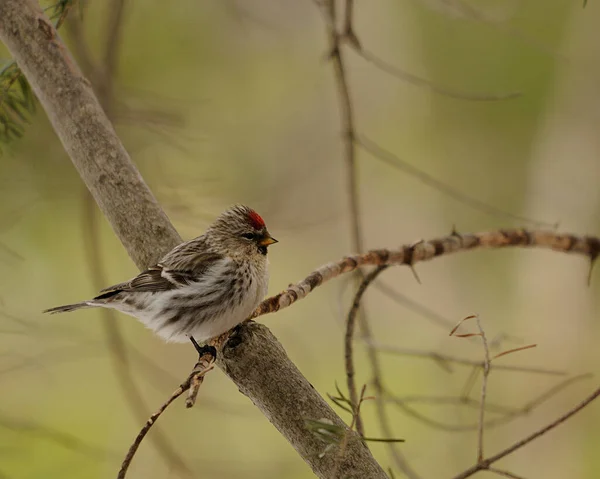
203 287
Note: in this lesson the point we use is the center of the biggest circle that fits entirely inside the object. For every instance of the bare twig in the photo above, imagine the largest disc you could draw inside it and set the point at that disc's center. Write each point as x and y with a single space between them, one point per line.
352 185
455 401
349 337
114 29
509 415
13 254
553 391
355 409
348 29
343 436
412 305
484 381
352 188
500 472
80 47
349 35
416 80
390 159
514 350
116 343
348 126
470 382
486 463
203 365
443 359
63 439
61 354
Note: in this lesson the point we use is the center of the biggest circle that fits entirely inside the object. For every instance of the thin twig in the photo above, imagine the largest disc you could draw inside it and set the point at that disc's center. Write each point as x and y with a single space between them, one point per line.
484 381
203 365
389 158
470 382
121 364
455 401
342 435
485 464
80 47
507 417
500 472
553 391
514 350
348 125
348 30
348 134
61 438
412 305
349 337
355 406
442 359
416 80
114 29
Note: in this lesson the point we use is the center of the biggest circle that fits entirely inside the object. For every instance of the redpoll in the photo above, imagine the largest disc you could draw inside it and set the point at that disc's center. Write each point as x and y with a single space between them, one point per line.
203 287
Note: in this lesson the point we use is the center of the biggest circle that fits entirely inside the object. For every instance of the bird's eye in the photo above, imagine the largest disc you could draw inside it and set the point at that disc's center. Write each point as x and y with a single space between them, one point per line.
248 236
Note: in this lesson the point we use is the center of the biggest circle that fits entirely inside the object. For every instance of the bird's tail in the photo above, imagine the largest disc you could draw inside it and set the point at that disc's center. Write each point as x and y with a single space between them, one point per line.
70 307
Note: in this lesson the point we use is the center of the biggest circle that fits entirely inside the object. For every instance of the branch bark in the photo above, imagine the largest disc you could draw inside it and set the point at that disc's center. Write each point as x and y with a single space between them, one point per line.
258 364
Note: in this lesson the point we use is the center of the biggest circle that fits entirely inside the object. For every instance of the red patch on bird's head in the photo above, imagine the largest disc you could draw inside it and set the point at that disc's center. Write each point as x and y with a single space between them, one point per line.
255 220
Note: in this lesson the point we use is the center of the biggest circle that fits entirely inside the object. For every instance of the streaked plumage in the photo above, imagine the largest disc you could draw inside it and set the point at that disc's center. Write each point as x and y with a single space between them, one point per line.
202 287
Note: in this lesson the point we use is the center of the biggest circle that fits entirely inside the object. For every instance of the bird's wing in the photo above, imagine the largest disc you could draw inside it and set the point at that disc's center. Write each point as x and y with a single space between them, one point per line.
164 277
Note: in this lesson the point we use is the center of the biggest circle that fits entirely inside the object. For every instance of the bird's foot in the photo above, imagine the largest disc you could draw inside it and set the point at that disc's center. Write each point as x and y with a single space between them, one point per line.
204 351
206 361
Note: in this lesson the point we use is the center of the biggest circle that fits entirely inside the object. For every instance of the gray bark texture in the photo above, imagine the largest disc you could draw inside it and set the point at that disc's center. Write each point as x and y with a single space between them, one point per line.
254 360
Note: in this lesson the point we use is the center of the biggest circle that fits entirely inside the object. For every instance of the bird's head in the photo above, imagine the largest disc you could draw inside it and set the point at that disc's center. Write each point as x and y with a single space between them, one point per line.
240 231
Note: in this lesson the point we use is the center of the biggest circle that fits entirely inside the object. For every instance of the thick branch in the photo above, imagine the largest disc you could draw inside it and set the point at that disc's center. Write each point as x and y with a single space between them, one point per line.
259 366
255 369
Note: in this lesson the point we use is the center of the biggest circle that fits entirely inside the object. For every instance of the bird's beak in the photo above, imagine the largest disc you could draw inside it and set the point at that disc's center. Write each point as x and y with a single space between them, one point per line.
267 240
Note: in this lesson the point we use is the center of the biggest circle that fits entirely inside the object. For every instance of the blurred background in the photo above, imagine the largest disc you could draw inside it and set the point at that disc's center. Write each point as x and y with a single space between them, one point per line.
222 102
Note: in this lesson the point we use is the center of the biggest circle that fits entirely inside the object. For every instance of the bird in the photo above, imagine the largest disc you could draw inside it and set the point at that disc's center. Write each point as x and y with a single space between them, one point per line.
201 288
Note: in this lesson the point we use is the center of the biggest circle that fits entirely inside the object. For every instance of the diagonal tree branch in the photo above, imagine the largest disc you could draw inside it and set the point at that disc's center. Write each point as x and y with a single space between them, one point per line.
485 464
258 365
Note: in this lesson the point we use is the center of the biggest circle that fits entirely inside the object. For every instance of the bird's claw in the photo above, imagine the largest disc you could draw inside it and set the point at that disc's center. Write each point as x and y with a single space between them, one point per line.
205 350
206 361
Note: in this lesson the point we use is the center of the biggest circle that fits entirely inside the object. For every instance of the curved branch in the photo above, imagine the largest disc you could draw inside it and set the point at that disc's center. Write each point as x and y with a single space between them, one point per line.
348 352
426 250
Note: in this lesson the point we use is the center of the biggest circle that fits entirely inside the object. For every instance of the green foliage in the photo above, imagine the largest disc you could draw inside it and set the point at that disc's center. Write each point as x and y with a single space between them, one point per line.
60 10
16 103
